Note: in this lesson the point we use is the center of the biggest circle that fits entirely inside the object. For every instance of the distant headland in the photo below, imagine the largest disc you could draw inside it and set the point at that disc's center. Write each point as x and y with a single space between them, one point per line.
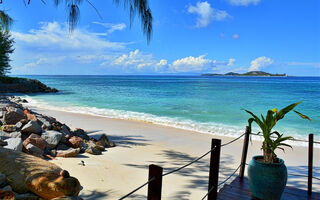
252 73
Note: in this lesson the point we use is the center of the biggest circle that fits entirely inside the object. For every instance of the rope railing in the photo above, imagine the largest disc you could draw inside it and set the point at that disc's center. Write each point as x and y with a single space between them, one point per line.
223 182
182 167
138 188
293 139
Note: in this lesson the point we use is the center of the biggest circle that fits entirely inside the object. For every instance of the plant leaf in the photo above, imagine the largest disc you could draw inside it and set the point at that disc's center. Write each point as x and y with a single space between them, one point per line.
302 115
285 110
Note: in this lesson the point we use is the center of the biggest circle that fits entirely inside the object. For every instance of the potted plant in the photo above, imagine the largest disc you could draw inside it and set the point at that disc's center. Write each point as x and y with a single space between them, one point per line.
268 173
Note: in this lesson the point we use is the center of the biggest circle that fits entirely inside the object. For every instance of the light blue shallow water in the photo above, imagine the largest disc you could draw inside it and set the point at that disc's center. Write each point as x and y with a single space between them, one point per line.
205 104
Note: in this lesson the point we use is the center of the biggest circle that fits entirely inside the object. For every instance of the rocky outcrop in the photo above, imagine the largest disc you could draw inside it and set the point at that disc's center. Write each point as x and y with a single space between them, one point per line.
23 85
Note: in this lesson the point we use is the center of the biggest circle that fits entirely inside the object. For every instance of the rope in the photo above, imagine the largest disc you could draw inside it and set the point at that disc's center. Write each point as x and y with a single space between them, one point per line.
232 140
223 182
296 140
184 166
208 193
138 188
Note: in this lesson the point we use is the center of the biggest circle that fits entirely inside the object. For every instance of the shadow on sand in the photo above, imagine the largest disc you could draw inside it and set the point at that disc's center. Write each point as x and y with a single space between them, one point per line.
197 174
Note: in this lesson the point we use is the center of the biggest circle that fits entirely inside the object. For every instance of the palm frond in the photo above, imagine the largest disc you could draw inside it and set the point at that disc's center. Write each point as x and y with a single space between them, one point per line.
302 115
5 21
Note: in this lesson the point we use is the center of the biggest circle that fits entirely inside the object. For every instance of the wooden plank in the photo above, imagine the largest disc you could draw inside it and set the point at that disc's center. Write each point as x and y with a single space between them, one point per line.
310 164
244 152
239 189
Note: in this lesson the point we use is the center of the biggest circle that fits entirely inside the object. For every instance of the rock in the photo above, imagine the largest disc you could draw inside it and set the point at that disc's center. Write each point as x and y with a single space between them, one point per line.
4 135
26 196
3 143
36 140
31 127
44 122
68 198
13 115
9 128
34 150
65 130
23 85
75 142
7 188
104 141
92 148
68 153
52 138
31 117
7 195
14 144
81 133
3 180
62 147
24 121
15 134
19 125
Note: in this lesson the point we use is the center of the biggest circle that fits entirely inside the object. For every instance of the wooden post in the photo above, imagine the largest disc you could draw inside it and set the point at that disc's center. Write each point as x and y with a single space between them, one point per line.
154 187
310 164
244 153
214 169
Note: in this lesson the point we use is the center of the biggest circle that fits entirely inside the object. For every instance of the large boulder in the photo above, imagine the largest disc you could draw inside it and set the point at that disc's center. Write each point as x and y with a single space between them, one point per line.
34 150
52 138
13 115
92 148
80 133
43 122
31 127
75 142
104 141
14 144
36 140
68 153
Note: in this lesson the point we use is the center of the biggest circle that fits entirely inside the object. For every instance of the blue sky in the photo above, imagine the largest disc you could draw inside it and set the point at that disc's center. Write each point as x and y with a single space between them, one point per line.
189 37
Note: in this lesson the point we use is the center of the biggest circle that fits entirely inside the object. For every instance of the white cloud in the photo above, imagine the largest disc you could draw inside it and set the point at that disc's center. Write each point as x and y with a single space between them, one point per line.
112 27
259 63
162 62
243 2
193 64
231 62
55 35
206 14
235 36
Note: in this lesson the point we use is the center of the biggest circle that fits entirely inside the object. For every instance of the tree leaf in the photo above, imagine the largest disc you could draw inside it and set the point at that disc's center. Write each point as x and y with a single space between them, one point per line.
302 115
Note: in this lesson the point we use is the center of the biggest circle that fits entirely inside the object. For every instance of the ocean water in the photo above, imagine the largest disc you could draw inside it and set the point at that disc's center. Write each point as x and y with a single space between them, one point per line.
205 104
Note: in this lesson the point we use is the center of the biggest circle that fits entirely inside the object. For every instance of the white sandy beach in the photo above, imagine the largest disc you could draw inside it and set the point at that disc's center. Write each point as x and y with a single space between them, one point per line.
125 167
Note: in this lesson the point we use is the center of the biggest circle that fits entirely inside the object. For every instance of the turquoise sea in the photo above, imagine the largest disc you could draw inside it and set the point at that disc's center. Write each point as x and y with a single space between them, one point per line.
205 104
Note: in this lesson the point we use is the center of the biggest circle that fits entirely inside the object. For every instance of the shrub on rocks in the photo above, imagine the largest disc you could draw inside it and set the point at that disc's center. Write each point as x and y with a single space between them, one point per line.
14 144
31 127
52 138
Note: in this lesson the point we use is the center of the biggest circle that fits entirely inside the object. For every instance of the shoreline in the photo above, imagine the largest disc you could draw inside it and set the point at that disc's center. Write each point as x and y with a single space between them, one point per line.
123 168
225 130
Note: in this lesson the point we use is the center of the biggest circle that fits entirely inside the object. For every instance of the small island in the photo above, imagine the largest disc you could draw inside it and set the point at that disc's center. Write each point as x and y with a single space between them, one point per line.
251 73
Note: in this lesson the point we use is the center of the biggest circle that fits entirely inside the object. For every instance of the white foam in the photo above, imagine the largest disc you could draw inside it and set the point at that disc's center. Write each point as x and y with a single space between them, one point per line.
208 128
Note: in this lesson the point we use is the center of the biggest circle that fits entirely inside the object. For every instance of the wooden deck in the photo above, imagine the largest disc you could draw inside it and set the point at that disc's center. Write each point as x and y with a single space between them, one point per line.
240 190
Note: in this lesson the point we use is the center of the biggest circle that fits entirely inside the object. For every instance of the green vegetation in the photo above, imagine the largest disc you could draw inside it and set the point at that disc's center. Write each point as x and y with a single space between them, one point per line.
6 48
272 139
252 73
